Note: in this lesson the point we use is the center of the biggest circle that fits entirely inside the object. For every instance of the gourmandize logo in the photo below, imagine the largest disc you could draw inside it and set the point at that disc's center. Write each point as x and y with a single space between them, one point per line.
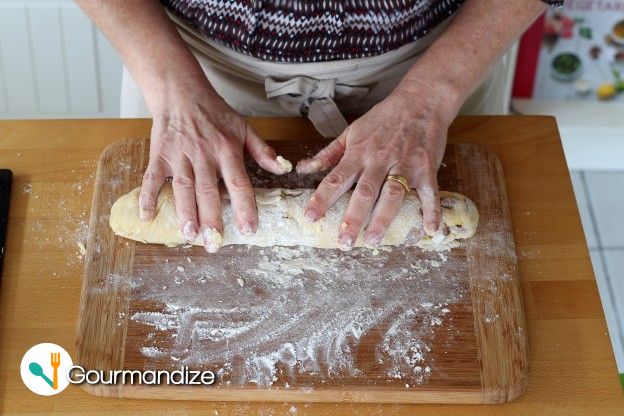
44 369
55 361
47 369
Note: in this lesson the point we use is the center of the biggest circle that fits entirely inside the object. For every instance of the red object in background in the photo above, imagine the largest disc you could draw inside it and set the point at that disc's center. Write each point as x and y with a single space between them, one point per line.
528 56
567 27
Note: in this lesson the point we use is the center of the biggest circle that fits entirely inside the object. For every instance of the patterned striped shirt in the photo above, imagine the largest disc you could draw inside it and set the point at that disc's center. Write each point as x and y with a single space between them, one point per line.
314 30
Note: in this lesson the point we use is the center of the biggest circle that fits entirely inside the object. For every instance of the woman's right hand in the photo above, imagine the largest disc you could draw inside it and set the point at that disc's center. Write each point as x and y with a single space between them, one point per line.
196 139
196 136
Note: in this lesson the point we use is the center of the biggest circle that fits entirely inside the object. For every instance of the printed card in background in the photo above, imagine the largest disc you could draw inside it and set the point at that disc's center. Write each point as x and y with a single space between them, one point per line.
574 52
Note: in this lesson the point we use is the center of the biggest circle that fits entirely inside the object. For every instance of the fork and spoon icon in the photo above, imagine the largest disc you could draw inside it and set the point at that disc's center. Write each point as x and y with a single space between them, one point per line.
55 361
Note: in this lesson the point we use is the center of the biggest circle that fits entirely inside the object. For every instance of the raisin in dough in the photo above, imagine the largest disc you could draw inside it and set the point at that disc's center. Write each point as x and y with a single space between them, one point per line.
281 221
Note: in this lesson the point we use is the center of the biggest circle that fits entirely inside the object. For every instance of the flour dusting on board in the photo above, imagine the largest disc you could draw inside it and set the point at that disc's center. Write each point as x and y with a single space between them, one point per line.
61 208
268 314
59 219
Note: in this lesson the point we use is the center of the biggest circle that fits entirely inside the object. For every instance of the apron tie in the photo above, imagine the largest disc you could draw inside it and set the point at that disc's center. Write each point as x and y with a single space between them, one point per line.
314 99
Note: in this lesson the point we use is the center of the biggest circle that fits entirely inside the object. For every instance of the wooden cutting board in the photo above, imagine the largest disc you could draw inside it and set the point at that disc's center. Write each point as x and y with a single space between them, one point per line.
301 324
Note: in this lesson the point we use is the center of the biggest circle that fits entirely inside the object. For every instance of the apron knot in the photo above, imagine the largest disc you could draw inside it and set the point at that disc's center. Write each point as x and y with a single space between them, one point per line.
314 98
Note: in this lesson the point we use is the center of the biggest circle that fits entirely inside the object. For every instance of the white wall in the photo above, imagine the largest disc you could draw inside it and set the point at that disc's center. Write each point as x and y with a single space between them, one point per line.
54 63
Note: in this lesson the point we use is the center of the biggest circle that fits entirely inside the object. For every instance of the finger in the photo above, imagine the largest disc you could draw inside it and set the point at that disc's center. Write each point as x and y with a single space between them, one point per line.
332 187
328 157
184 197
264 154
153 179
241 193
388 205
428 193
362 201
208 205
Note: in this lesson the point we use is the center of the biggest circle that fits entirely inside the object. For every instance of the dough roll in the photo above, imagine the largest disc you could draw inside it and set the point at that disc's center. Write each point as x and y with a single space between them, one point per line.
281 221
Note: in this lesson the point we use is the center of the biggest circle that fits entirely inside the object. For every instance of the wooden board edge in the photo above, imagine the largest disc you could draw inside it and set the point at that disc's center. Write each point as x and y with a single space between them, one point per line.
515 391
504 366
362 395
108 336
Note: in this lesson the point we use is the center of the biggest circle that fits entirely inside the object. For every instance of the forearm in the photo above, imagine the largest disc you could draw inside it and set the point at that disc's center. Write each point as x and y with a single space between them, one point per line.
148 42
461 58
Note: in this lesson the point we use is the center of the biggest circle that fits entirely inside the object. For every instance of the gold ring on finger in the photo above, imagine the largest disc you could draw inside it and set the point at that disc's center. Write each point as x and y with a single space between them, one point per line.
400 179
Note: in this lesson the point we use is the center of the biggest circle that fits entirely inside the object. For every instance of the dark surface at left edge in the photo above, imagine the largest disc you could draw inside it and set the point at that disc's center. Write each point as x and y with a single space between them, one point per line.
5 195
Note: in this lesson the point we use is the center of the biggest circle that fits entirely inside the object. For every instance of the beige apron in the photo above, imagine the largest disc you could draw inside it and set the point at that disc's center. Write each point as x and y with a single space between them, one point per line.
321 91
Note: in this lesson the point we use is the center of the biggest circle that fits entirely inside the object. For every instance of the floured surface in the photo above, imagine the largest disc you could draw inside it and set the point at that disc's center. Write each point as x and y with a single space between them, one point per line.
273 316
306 324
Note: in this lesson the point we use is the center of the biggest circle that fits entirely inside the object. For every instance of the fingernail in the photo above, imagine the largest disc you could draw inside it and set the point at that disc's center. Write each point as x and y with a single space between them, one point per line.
247 228
345 241
144 214
188 231
311 214
431 227
315 165
373 238
212 239
308 166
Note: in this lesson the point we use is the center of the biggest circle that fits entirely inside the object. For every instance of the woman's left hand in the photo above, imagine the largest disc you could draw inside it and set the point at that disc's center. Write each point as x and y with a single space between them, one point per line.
404 135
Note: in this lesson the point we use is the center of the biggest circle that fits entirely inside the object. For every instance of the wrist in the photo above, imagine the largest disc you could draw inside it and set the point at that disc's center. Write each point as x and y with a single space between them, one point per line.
162 90
434 96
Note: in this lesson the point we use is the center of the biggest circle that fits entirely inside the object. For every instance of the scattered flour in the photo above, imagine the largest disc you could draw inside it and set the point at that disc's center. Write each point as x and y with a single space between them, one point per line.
60 210
267 314
60 219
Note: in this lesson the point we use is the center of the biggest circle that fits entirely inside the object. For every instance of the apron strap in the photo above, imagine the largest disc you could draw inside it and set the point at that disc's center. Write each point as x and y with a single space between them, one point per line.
314 98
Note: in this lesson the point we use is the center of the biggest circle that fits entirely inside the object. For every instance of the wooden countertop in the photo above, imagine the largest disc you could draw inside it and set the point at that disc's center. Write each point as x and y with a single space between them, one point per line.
53 162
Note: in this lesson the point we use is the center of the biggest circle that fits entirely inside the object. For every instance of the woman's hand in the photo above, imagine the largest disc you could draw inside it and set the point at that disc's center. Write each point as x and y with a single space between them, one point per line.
405 135
196 138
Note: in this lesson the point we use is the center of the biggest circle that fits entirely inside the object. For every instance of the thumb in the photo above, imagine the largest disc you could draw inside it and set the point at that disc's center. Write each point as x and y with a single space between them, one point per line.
264 154
328 157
